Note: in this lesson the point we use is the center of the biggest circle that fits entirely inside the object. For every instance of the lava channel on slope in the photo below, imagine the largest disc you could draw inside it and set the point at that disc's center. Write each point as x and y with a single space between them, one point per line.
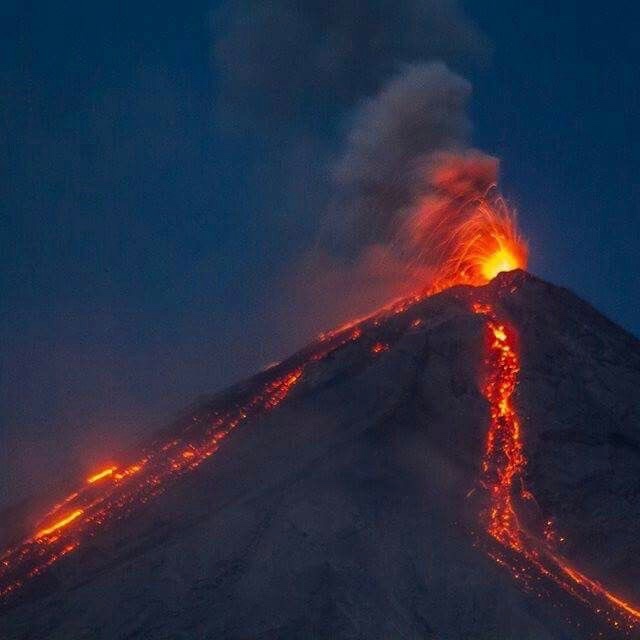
112 493
531 559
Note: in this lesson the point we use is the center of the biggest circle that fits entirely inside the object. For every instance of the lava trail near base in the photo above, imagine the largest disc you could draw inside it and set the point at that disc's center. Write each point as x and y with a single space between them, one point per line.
530 558
112 493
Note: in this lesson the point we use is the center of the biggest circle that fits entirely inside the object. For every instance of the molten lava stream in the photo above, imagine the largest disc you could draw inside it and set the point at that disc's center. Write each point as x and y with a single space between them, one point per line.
110 494
503 466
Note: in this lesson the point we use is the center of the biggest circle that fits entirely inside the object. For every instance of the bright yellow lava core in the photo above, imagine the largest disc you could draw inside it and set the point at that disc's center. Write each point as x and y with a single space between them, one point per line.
501 260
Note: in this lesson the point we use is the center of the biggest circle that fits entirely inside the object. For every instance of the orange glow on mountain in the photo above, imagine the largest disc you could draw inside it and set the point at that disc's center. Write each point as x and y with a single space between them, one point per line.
148 476
101 474
502 260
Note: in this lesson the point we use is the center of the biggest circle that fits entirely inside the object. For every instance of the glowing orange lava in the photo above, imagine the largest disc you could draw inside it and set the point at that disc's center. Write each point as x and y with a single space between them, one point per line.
504 436
97 502
101 474
503 465
59 524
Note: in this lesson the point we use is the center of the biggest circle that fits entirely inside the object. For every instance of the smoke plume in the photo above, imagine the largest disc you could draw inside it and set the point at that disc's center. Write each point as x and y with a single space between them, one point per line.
287 65
366 90
380 172
414 207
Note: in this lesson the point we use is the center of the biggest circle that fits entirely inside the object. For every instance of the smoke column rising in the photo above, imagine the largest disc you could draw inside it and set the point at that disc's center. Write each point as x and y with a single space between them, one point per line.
413 206
379 173
350 103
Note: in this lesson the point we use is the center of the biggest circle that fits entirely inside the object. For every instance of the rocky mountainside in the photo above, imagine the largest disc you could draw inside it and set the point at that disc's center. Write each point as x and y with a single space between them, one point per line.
353 506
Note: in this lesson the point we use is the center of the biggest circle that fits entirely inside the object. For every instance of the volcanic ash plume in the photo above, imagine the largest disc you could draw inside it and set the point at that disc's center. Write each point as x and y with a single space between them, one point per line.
415 208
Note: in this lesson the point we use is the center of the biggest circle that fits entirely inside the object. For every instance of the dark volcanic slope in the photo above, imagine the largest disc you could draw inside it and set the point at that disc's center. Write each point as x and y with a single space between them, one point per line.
580 401
351 509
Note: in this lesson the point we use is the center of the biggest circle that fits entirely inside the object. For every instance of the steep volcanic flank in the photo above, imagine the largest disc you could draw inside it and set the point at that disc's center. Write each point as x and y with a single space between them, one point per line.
460 466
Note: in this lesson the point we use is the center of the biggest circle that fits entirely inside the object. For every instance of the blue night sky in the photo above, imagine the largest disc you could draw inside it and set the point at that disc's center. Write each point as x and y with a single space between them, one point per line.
144 240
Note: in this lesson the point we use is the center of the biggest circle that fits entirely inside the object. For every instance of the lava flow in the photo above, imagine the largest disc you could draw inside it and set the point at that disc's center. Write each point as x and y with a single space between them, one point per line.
473 236
503 465
111 493
484 235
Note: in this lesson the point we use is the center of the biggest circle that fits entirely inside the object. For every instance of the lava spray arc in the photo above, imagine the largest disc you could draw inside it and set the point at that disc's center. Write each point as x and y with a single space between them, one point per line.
462 231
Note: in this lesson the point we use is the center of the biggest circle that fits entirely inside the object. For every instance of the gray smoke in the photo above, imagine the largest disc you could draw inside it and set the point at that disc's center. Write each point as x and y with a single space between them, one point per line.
380 172
395 138
288 64
363 93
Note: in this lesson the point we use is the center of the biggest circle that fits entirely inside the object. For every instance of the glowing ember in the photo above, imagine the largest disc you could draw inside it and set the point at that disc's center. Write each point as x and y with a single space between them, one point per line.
100 475
60 524
379 347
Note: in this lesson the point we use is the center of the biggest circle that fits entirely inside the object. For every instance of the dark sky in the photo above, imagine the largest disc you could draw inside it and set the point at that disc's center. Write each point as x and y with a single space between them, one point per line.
144 239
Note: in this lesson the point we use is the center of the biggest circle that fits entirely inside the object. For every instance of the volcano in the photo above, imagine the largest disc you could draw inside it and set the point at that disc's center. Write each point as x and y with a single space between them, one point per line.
462 466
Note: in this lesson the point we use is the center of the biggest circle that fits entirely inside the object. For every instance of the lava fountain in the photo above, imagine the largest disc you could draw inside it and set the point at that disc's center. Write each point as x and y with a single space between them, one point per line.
462 231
